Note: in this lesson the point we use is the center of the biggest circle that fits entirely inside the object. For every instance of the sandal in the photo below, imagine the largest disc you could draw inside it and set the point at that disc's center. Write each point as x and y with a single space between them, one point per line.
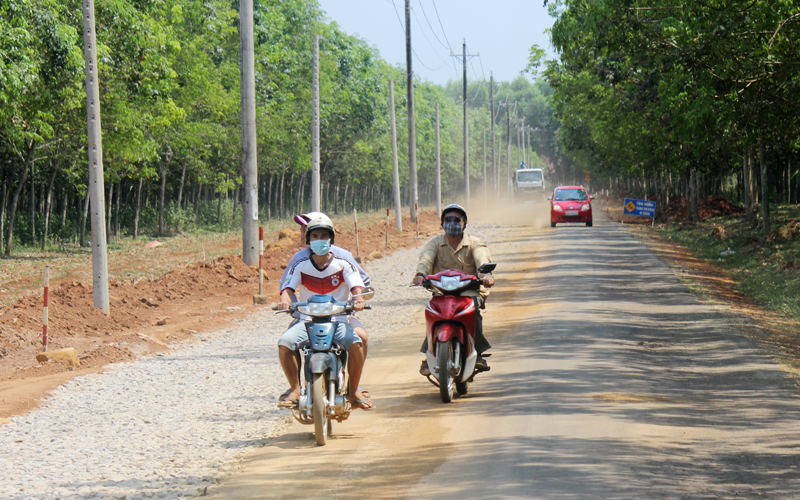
285 402
365 404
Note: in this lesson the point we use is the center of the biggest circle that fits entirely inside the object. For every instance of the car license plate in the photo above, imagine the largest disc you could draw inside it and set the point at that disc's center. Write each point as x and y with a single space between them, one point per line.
571 212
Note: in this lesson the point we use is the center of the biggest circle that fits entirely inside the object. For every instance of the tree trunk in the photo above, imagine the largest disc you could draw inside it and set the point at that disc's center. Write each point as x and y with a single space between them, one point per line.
12 212
269 197
64 204
162 192
138 209
180 186
754 198
116 209
47 205
344 198
748 207
762 160
33 203
83 219
336 198
108 215
3 214
280 203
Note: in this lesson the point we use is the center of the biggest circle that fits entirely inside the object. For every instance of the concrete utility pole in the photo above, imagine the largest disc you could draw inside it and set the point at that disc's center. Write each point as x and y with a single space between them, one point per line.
466 126
494 164
466 123
519 146
413 195
315 129
438 168
484 167
249 145
508 154
96 182
398 216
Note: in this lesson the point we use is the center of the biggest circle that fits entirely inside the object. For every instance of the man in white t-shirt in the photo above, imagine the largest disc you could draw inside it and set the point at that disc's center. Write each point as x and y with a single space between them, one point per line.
322 273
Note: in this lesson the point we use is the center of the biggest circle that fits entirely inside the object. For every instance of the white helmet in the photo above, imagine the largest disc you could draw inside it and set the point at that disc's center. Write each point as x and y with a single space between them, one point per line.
320 222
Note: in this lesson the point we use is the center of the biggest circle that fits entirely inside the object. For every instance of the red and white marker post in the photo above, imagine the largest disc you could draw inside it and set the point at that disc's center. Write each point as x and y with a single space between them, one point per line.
387 227
46 305
260 298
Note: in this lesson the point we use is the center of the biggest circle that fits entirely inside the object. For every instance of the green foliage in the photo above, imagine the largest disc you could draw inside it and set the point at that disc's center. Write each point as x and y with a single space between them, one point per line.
653 85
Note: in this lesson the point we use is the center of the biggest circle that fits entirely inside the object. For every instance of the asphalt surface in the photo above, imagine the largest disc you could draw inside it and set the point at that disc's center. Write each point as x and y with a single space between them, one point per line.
608 380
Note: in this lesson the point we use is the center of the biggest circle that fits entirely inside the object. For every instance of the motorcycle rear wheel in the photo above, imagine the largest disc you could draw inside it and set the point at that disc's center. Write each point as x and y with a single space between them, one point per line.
444 359
322 425
462 387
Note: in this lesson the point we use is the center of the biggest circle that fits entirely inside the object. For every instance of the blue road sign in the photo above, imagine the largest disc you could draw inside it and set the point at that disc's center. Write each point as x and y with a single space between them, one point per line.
643 208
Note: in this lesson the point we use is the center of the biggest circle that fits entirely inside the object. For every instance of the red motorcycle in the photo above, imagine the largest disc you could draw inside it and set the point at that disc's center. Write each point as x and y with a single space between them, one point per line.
450 329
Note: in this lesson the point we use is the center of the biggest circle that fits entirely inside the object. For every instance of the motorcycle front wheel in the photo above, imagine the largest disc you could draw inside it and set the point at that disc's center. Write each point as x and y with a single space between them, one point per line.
444 359
322 426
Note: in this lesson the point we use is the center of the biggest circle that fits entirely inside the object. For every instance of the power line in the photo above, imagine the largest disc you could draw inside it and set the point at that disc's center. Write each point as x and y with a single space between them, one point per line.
440 25
403 27
426 36
429 25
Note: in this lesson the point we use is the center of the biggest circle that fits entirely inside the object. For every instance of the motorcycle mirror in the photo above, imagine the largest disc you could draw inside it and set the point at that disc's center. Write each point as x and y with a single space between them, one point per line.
487 268
367 293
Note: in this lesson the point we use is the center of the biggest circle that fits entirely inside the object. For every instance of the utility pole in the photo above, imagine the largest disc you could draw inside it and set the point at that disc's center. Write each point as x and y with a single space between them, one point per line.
413 195
96 182
494 164
484 167
464 59
438 168
398 216
315 128
519 149
249 168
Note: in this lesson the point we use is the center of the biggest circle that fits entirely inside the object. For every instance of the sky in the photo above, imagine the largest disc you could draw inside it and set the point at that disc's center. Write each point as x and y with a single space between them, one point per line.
502 32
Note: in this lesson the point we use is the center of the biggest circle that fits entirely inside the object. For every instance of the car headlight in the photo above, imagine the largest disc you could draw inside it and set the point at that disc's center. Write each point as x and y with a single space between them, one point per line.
450 282
321 309
557 208
586 207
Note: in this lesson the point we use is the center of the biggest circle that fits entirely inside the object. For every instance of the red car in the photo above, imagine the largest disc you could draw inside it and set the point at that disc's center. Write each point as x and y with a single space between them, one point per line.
570 204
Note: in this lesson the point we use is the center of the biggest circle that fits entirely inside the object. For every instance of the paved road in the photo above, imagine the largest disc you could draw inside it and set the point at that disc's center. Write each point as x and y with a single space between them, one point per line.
609 380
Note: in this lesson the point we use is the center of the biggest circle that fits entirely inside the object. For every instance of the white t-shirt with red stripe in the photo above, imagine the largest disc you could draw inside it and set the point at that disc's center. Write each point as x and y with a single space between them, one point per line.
336 279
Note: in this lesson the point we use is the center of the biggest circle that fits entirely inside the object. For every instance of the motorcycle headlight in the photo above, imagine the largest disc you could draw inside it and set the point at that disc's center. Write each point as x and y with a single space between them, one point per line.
321 309
450 282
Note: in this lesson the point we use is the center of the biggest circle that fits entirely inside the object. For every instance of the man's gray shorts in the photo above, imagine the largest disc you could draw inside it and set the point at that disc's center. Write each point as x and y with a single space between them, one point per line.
297 335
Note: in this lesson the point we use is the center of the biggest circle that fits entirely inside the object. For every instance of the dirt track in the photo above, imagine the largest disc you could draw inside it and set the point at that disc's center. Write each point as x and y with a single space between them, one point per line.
609 380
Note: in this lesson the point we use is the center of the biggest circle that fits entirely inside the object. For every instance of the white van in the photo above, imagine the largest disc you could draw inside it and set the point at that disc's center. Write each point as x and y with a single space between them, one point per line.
529 181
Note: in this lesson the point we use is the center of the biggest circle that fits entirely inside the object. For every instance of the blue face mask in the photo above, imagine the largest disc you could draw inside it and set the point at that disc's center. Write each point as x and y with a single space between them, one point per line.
320 247
453 229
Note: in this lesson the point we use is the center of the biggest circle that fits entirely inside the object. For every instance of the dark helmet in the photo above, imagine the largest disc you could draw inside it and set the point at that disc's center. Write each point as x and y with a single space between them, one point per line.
455 207
321 222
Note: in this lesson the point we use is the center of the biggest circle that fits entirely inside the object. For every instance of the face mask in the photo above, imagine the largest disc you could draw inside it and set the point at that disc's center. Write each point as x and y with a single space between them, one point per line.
320 247
453 229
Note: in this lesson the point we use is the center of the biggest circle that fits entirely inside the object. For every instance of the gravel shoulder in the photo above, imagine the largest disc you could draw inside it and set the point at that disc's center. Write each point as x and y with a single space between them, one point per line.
170 425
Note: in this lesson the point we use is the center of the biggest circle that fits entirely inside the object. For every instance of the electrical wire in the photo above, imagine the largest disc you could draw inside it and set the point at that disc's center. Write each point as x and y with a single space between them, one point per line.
441 26
403 28
429 25
426 36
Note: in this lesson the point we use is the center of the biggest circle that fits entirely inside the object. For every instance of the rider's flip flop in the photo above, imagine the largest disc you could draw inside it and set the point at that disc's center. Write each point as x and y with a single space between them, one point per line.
362 404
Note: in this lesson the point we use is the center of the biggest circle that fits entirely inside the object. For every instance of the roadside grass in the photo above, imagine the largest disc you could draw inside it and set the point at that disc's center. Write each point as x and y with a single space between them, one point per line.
765 269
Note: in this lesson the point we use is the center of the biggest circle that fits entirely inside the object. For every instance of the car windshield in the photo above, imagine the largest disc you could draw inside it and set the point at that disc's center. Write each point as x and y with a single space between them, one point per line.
570 195
529 176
